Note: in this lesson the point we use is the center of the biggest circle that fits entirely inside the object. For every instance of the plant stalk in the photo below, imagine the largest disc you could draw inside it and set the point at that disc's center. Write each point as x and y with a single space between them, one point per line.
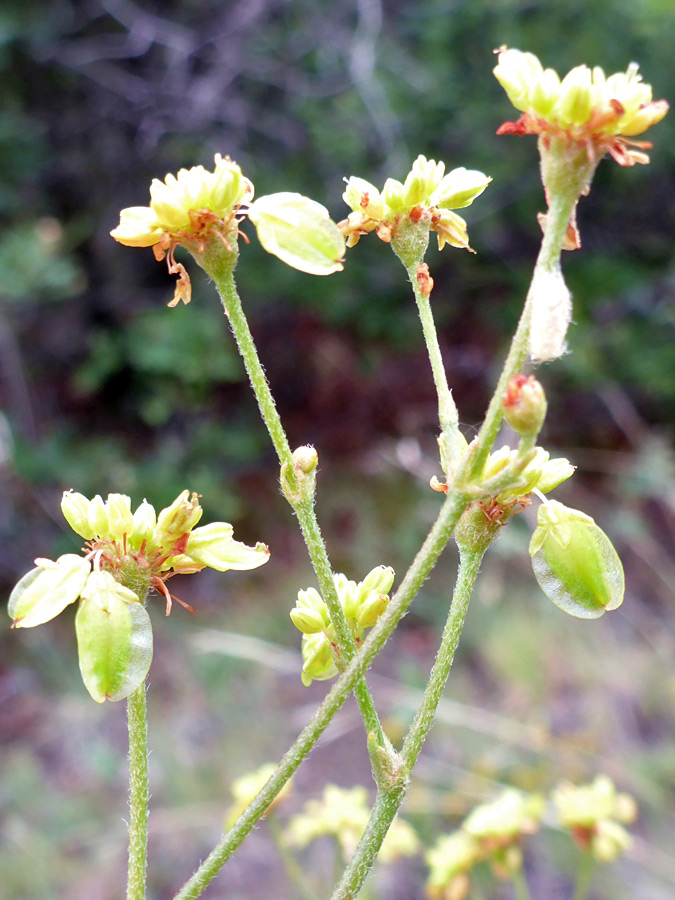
220 267
388 801
426 558
447 410
584 876
138 794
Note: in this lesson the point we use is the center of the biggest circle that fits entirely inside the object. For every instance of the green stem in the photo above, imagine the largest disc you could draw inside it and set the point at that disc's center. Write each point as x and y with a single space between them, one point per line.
584 876
447 410
138 794
293 868
520 884
557 220
389 800
436 540
220 266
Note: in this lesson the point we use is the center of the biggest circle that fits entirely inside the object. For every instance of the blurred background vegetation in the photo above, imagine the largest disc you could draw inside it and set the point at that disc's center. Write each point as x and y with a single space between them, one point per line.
103 388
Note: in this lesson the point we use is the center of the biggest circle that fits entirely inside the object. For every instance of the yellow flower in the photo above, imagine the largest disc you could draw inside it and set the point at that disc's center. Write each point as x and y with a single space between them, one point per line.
179 203
587 107
426 195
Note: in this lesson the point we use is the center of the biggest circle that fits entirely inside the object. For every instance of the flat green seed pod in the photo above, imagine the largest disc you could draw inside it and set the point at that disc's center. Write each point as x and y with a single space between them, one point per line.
45 591
575 563
114 639
299 232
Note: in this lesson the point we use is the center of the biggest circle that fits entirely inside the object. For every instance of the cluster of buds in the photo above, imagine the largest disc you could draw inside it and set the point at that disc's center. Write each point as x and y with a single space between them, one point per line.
343 814
126 555
362 603
426 198
585 107
197 207
491 833
595 815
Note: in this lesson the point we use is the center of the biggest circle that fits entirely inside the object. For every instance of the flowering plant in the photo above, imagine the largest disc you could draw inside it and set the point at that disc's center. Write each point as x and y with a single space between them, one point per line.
127 555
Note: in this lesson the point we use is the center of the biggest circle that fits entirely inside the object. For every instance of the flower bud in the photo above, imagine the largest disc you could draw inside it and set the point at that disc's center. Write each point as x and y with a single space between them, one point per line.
363 197
371 609
310 615
75 509
379 579
317 656
145 519
575 563
460 188
305 460
120 519
298 231
178 519
524 405
347 592
98 517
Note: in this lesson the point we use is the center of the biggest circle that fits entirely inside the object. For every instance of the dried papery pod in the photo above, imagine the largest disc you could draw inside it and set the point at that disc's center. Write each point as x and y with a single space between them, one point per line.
114 639
575 563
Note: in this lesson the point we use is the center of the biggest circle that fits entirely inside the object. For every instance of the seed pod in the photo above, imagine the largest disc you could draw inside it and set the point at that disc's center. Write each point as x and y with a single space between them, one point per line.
114 639
575 563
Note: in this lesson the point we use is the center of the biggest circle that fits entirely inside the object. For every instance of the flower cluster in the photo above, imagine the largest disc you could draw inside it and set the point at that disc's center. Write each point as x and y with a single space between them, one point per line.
587 107
127 554
343 814
427 195
196 207
595 815
509 476
490 833
363 604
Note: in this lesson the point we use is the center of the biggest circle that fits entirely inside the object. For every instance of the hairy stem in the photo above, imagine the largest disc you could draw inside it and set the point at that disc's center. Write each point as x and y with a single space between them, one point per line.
138 794
220 266
557 220
389 800
520 885
431 549
447 411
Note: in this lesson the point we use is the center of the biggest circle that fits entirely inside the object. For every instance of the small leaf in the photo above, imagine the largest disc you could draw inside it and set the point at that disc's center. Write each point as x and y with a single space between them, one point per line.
575 563
299 232
114 639
45 591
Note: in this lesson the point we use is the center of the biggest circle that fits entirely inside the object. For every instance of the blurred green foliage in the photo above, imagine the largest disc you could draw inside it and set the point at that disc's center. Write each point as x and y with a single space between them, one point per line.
122 393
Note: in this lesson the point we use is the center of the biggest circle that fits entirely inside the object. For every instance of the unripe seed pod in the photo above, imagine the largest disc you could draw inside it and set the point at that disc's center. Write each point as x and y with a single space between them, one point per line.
575 563
524 405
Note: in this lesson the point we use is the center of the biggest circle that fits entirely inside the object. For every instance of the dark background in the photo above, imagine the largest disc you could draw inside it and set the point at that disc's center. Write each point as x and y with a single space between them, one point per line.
104 389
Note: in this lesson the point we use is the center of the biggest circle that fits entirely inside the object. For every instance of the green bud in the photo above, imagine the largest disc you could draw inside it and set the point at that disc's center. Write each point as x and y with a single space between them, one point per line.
177 519
379 579
310 615
575 563
45 591
394 196
75 509
460 188
524 405
145 519
347 593
212 545
371 609
120 519
299 231
98 517
114 639
317 656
